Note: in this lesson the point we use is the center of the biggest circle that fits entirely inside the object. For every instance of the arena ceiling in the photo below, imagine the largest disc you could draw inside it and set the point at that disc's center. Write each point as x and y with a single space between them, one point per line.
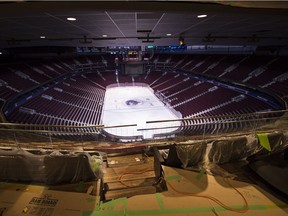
141 23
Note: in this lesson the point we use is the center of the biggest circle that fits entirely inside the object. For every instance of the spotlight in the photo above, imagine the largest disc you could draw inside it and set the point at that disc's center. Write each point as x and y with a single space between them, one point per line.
181 41
71 19
202 16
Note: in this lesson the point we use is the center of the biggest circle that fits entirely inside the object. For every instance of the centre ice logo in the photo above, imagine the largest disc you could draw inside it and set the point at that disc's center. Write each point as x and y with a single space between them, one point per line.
133 102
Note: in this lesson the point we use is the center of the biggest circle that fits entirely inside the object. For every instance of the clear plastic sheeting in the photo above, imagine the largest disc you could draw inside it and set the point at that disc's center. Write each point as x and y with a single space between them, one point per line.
68 168
277 142
228 150
191 154
211 154
252 145
20 165
164 153
23 166
96 163
238 148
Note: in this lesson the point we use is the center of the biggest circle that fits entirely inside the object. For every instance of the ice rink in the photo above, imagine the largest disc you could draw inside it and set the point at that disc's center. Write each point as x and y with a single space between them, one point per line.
135 105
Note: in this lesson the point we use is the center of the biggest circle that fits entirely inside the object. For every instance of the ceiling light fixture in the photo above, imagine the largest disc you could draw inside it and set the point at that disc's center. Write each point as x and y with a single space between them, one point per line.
0 53
42 37
202 16
168 34
71 19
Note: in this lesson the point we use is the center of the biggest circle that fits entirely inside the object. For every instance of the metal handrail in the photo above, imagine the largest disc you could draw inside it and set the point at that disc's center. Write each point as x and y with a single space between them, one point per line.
256 114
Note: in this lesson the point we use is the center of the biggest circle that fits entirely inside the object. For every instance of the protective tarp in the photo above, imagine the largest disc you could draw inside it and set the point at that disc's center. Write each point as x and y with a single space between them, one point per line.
274 143
191 154
228 150
68 168
252 145
20 165
164 153
172 158
23 166
96 163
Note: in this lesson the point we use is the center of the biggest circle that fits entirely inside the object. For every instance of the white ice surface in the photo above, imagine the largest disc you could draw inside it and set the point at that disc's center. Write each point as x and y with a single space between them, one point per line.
146 107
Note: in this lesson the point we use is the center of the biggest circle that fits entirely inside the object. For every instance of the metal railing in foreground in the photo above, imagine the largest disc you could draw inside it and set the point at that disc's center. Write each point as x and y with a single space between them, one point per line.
95 136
